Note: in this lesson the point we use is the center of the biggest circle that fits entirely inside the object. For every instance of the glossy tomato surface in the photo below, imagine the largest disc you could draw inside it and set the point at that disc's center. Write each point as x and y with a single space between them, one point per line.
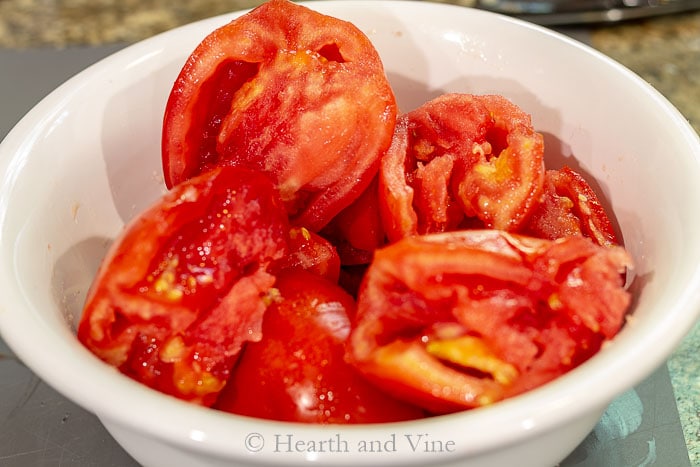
457 320
187 283
358 230
310 252
297 372
298 95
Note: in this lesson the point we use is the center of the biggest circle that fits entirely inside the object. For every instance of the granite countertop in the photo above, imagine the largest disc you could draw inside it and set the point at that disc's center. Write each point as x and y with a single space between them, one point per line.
665 51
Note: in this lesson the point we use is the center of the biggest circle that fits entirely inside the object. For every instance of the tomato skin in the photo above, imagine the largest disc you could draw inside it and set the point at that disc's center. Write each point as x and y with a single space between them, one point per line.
310 252
569 206
457 320
357 230
296 94
186 283
297 372
460 161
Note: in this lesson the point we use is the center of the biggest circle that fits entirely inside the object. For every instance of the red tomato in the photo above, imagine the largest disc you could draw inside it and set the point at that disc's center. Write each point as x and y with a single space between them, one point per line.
357 230
457 320
311 252
187 283
297 372
461 160
569 206
296 94
351 277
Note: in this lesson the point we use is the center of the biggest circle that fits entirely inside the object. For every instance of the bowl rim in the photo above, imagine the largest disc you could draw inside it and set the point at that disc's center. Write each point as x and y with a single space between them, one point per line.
173 420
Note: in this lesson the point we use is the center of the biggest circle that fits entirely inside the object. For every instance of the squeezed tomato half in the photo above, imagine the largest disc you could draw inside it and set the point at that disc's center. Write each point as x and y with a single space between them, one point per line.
457 320
187 283
285 90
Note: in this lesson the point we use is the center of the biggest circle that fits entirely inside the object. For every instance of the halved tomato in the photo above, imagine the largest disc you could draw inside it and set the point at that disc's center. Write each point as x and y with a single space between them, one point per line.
297 372
461 160
458 320
569 206
298 95
187 283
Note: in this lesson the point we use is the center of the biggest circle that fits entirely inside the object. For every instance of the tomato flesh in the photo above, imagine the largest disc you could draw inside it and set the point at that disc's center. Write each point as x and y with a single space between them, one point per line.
186 284
288 91
569 206
310 252
297 372
460 161
457 320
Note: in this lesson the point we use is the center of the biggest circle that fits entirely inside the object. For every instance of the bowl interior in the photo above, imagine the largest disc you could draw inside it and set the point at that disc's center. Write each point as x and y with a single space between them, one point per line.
87 159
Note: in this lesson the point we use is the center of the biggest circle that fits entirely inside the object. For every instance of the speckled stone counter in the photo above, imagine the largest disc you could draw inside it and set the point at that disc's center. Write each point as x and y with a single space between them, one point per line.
665 51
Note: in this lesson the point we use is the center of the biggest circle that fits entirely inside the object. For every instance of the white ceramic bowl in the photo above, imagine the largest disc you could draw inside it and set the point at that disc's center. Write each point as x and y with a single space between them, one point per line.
86 159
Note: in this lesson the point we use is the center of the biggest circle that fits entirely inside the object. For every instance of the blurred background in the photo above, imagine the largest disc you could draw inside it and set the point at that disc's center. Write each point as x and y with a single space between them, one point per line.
658 39
44 42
